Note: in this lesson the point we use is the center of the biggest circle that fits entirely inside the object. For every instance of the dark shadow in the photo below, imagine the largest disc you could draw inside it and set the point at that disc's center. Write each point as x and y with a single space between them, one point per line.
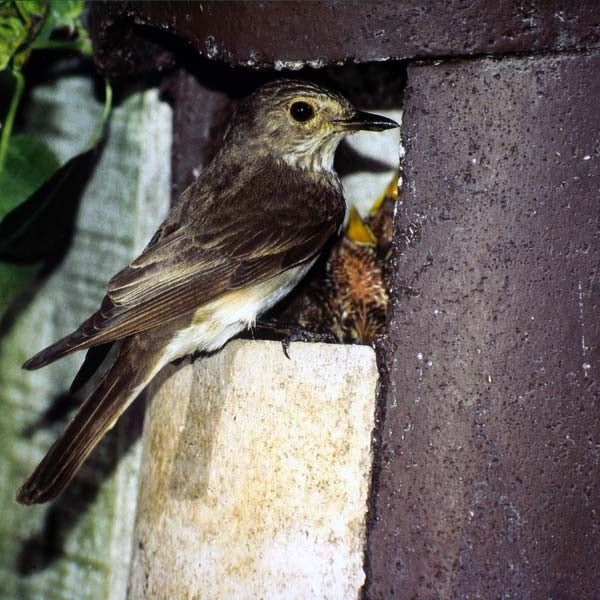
191 462
42 549
57 412
42 228
377 470
348 161
25 297
92 367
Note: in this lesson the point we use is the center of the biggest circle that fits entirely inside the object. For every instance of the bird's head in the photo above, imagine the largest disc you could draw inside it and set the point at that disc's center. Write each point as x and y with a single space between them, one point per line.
300 123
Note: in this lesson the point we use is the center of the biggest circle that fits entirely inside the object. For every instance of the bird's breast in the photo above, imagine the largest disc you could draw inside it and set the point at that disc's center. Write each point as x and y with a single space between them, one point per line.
219 320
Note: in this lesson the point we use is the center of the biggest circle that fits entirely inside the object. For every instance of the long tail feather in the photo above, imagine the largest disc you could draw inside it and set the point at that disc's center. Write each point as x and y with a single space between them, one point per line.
70 343
117 389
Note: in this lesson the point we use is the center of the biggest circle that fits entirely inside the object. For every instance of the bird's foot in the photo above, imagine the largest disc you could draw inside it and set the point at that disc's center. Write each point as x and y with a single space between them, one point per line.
295 333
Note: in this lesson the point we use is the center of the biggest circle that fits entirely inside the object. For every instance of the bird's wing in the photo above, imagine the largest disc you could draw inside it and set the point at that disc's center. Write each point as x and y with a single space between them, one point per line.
193 265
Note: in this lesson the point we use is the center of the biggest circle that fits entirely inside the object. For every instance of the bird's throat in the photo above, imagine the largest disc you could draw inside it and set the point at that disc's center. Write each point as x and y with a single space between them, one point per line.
315 158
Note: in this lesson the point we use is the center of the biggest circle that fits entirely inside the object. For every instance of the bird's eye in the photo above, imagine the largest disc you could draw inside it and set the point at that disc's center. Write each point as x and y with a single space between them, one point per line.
302 111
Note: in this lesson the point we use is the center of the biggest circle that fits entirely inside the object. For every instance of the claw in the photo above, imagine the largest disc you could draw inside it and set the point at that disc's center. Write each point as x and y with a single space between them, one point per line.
295 333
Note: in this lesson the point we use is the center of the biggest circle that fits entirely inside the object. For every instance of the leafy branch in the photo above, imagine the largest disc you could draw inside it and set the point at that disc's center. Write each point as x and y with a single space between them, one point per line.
27 26
10 115
32 180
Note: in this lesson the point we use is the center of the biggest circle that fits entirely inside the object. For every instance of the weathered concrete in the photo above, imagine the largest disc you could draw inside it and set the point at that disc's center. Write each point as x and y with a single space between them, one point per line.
129 37
254 478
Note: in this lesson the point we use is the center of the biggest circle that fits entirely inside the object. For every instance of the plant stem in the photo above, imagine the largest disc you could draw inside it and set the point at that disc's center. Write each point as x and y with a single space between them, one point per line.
107 100
105 114
77 45
10 115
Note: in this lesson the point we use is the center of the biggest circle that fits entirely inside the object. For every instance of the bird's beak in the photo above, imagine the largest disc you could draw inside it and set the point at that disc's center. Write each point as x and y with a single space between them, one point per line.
365 121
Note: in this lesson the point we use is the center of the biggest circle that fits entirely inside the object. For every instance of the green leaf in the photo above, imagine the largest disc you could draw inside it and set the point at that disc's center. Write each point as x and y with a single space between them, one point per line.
19 23
30 9
29 24
29 163
39 222
42 224
65 14
13 33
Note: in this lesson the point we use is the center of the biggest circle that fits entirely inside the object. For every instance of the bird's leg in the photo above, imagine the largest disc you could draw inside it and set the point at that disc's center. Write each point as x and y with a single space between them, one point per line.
293 332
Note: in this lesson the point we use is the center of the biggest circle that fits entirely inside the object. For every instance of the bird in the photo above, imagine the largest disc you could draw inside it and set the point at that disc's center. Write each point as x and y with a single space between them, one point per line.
236 242
357 290
381 217
346 298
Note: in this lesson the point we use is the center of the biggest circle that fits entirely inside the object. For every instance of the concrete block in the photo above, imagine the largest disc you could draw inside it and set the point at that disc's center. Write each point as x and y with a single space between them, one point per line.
255 475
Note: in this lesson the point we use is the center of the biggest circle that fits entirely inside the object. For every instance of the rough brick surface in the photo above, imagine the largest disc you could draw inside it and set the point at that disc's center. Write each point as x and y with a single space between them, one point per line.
488 480
129 36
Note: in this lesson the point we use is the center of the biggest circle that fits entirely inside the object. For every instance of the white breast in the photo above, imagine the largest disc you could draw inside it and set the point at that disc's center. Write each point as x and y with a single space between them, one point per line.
219 320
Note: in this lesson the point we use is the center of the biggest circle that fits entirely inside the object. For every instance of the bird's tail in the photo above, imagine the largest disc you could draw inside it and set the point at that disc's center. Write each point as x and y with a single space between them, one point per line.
116 390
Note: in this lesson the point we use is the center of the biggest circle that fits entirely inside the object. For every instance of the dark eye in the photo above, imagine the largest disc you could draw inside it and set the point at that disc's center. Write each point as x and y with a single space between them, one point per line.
302 111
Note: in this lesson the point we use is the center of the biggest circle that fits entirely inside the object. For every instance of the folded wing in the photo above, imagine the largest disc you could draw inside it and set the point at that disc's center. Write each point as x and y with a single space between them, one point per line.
198 262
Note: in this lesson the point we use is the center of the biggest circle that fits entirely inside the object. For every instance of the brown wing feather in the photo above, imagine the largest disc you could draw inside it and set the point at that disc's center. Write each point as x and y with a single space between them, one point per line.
227 245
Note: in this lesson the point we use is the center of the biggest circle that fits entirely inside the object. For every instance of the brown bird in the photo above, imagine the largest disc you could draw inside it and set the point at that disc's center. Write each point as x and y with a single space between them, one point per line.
238 241
347 295
359 294
355 292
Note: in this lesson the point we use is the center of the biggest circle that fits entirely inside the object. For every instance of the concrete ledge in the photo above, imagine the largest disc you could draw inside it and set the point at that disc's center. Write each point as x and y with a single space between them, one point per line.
290 35
255 474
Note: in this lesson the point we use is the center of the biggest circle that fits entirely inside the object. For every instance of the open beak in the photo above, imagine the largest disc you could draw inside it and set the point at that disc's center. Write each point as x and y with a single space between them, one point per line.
366 121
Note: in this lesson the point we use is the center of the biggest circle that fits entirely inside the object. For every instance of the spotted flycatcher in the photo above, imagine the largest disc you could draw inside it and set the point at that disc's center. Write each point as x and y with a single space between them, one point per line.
239 239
